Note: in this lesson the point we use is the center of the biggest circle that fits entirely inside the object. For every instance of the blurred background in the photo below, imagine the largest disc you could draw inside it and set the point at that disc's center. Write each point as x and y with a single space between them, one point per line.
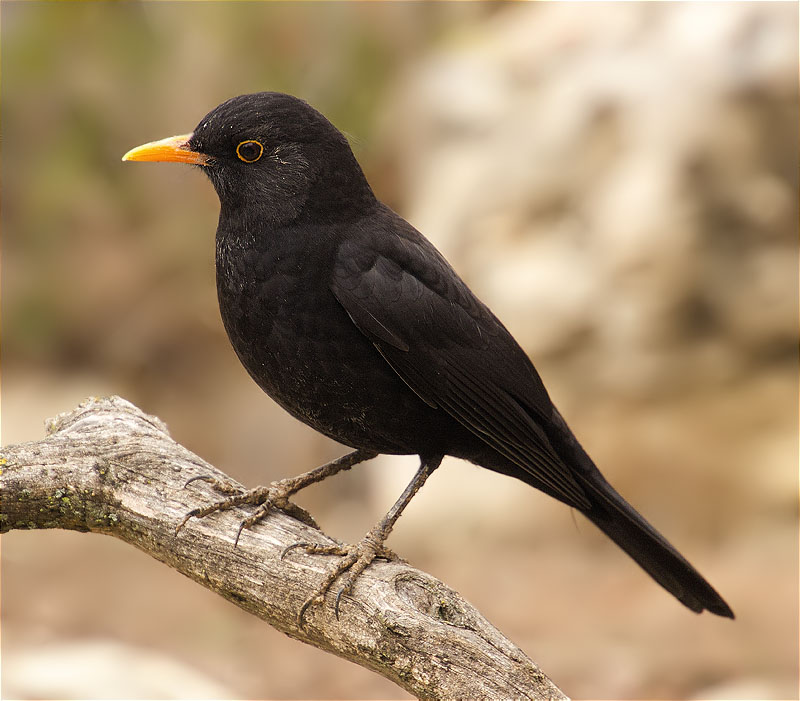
617 181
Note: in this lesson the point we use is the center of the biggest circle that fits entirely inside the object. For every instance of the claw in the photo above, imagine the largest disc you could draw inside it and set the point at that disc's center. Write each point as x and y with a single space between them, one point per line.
352 563
184 520
236 496
199 478
305 607
294 546
239 532
339 595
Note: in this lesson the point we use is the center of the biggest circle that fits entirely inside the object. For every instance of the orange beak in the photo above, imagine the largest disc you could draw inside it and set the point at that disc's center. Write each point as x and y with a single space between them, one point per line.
174 149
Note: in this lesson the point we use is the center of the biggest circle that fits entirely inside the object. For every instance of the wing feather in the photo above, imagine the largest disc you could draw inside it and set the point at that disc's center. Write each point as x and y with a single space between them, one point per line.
451 351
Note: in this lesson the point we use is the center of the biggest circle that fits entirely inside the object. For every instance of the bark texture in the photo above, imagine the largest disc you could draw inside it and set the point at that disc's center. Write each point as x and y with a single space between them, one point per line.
107 467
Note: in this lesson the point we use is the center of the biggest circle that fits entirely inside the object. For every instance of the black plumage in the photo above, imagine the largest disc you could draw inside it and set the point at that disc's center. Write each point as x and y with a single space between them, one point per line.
353 322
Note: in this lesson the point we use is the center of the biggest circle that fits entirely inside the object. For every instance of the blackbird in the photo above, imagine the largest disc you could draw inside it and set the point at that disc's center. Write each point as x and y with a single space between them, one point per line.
354 323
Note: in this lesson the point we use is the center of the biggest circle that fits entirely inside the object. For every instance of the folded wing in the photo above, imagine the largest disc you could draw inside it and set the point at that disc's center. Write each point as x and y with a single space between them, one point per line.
451 350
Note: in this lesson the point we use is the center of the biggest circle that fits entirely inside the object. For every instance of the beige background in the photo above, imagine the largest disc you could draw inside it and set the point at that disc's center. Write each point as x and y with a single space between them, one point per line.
618 182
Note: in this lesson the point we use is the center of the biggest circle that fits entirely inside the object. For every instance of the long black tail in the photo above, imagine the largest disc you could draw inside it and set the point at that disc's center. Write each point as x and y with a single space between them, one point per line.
620 522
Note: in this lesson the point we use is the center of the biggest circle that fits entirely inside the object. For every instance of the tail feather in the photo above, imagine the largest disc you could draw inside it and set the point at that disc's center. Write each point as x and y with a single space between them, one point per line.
628 529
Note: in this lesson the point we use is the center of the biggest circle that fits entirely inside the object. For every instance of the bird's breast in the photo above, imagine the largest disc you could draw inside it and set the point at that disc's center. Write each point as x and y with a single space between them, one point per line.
273 302
300 346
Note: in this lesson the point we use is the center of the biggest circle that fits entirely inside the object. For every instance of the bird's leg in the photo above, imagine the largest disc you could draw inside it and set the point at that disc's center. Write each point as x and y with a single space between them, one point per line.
356 558
276 496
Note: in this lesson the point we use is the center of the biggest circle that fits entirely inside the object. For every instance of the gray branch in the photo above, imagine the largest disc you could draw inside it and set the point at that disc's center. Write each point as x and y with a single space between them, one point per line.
107 467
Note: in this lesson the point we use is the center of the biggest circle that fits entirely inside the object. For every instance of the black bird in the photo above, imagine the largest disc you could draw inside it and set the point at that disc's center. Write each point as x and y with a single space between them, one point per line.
354 323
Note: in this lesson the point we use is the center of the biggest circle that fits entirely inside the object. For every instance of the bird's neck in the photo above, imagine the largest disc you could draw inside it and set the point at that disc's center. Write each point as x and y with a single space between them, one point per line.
237 214
340 190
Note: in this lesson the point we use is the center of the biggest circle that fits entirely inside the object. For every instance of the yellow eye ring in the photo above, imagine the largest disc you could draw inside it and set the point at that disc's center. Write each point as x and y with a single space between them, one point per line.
249 151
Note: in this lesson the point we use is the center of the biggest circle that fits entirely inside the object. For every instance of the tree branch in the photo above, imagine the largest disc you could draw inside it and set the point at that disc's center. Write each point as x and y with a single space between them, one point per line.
107 467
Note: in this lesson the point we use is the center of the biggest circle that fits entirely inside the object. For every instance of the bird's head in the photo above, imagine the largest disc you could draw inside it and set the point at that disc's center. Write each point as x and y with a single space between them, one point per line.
269 154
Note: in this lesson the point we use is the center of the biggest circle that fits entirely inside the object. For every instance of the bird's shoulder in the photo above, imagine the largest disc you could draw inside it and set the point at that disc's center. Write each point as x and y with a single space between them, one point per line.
407 299
385 271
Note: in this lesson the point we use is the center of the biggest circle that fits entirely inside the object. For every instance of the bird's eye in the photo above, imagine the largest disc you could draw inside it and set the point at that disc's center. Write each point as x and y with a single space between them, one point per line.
249 151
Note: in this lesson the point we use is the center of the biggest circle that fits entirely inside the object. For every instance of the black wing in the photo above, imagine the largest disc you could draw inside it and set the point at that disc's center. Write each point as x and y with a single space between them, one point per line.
449 348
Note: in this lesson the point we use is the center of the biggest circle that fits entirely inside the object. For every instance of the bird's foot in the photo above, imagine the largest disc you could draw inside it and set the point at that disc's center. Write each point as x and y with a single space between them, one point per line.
275 496
354 560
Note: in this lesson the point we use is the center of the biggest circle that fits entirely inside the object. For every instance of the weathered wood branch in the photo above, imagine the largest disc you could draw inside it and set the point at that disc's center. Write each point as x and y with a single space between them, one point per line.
108 468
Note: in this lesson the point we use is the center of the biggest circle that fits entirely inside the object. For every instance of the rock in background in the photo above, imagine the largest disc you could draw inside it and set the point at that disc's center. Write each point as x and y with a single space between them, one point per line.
619 181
